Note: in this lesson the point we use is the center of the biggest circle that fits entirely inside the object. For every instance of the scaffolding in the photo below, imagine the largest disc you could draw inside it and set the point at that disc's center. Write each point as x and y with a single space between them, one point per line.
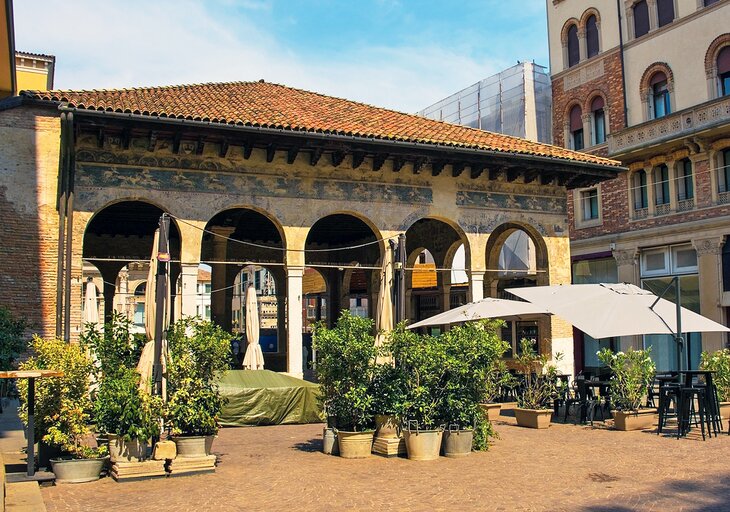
517 101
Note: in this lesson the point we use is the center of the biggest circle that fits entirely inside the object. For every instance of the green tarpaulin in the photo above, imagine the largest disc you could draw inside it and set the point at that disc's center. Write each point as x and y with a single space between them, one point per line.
263 397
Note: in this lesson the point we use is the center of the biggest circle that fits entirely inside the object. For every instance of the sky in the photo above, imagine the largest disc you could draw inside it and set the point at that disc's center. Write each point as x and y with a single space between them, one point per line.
404 55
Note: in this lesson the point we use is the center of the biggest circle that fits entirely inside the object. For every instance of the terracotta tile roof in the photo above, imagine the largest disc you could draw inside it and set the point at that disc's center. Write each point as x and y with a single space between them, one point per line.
267 105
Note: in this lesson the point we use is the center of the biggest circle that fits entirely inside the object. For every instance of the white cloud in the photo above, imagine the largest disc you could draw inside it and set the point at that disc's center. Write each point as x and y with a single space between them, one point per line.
134 43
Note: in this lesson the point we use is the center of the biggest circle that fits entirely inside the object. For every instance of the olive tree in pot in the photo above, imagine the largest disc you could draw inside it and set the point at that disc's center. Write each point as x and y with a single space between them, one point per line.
632 372
198 353
472 350
124 410
421 360
63 409
388 392
719 362
496 379
345 366
539 387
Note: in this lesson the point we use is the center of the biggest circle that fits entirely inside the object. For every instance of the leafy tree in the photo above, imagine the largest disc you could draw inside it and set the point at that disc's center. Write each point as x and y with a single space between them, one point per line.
12 343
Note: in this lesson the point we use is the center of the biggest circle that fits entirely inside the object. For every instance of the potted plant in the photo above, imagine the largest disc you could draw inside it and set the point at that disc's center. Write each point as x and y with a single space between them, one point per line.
497 377
472 351
63 409
719 362
421 359
539 386
124 411
198 353
387 390
632 372
345 368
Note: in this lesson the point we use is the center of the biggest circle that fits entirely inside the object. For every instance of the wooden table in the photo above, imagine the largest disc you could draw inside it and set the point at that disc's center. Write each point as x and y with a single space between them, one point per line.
31 375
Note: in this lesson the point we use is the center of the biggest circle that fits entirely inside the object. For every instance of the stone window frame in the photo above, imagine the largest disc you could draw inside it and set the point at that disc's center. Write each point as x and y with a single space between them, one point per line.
634 211
589 126
579 219
646 92
713 52
580 25
653 17
568 133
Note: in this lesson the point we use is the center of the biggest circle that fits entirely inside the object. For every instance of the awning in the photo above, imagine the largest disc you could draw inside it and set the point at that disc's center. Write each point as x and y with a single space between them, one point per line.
481 309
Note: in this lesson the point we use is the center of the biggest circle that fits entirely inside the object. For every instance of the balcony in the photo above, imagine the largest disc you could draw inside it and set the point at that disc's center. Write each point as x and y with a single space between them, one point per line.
678 125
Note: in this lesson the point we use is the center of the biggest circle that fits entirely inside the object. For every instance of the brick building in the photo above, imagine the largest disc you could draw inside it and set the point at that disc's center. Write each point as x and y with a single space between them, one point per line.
646 82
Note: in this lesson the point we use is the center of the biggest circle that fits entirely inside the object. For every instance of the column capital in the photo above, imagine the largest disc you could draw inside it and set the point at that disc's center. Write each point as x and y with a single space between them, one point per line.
293 271
626 256
705 246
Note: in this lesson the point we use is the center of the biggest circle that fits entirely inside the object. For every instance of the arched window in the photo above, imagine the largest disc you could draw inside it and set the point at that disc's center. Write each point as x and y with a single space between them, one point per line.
659 91
723 175
576 128
685 184
599 120
661 185
708 3
641 18
592 36
640 191
665 9
723 70
573 47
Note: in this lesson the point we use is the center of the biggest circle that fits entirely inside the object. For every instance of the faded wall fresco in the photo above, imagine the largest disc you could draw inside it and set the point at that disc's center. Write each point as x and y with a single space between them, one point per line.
132 177
495 200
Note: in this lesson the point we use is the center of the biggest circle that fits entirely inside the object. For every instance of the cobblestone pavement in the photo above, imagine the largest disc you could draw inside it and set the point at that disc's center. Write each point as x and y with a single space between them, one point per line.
567 467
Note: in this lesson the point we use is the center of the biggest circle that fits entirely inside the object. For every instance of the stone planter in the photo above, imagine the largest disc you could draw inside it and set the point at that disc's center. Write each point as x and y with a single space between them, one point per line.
74 471
533 418
634 420
491 411
457 443
191 446
127 451
725 411
355 445
423 444
386 426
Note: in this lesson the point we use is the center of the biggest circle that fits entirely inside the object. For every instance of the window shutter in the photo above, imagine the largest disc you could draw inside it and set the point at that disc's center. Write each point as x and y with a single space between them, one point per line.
576 121
597 103
573 48
641 18
723 61
666 11
657 78
592 36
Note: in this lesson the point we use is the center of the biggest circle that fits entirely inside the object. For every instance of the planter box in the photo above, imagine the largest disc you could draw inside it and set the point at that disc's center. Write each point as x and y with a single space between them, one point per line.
634 420
355 445
423 444
533 418
127 451
491 411
74 471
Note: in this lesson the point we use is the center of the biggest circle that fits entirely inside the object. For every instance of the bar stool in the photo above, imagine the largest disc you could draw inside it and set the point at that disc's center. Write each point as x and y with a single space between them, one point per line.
668 394
687 415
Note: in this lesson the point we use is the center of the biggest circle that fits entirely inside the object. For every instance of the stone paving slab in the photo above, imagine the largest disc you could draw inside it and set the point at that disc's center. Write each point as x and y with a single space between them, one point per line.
567 467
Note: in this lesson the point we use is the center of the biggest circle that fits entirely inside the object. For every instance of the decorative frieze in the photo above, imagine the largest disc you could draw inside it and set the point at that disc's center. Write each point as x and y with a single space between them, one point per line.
705 246
583 75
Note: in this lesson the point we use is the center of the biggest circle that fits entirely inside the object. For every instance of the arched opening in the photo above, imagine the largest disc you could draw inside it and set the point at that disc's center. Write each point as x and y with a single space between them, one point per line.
344 253
243 247
592 45
116 250
432 246
573 46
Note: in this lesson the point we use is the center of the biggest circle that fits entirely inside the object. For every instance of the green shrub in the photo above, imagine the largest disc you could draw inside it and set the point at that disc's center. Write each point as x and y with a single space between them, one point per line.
632 371
719 362
540 377
12 343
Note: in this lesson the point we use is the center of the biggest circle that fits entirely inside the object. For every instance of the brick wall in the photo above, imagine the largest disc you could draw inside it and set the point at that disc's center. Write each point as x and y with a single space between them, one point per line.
29 227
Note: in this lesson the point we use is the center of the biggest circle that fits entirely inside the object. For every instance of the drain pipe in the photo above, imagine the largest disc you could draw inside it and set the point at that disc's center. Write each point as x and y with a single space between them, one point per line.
61 207
623 66
71 162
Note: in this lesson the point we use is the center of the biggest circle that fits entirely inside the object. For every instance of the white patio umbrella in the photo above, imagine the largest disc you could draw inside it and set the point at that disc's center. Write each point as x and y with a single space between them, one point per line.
608 310
91 305
146 360
254 357
384 313
481 309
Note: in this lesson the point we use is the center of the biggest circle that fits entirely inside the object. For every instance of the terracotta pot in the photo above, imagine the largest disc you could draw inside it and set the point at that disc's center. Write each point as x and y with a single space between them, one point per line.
423 444
634 420
386 426
355 445
190 446
126 451
491 411
533 418
457 443
76 471
725 411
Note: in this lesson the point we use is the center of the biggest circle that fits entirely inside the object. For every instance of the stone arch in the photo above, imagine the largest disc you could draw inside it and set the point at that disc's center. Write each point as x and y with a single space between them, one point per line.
591 11
271 217
713 50
586 106
656 67
499 236
566 26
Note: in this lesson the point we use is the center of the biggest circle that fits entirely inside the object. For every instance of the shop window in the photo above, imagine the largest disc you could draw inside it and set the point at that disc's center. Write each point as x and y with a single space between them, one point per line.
601 270
723 71
589 204
659 95
641 18
576 128
573 47
685 185
592 45
665 10
599 120
661 185
514 332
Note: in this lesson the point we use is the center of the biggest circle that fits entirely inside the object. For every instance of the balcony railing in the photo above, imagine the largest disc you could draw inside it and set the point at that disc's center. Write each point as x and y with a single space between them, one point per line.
676 125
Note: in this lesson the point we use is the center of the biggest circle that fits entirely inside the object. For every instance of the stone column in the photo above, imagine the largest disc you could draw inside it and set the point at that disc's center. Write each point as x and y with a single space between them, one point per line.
109 271
189 289
294 321
627 272
653 15
709 265
219 274
476 285
582 44
121 301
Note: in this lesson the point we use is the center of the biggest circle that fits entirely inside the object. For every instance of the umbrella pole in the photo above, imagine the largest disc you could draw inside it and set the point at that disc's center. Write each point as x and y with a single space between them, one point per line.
682 350
163 256
401 309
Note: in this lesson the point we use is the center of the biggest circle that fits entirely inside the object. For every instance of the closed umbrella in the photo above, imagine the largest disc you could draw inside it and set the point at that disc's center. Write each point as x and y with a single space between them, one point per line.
608 310
254 357
384 316
481 309
91 305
